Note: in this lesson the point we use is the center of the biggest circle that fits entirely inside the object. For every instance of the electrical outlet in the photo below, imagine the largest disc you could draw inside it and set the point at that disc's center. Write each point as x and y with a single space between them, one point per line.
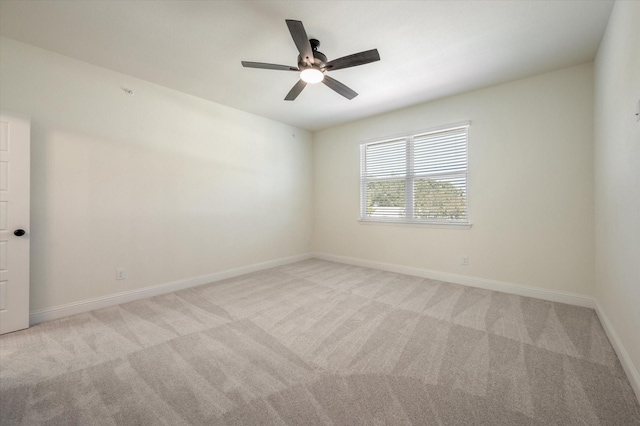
464 260
120 274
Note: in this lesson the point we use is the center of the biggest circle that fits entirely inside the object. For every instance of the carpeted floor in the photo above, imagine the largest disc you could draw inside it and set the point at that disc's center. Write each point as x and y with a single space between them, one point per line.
318 343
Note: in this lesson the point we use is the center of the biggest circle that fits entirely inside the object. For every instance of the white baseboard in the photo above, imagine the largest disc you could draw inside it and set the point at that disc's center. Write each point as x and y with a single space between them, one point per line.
61 311
487 284
623 355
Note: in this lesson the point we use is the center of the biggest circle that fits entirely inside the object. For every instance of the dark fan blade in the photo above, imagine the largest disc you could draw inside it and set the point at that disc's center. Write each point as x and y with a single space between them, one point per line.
301 40
295 91
353 60
262 65
339 87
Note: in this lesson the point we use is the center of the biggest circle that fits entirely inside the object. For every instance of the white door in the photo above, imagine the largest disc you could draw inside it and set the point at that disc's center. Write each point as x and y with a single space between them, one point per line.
15 143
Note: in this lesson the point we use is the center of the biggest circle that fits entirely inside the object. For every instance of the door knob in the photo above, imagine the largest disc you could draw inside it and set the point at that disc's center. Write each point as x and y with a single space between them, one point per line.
19 232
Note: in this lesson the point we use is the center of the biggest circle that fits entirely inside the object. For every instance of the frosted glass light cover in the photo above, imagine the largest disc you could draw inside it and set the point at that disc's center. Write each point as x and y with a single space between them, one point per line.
311 75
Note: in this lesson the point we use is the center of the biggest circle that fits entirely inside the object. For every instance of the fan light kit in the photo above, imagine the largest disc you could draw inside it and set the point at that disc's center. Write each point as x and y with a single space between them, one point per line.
313 65
311 75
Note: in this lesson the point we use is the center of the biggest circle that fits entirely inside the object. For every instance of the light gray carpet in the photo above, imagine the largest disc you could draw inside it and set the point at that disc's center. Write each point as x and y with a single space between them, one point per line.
318 343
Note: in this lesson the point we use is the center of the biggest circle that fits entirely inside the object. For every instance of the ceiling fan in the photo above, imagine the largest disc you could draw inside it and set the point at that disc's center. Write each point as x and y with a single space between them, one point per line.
312 64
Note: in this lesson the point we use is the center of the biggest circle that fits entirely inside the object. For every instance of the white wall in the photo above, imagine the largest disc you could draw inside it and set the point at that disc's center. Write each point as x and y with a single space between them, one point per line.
167 185
617 180
530 186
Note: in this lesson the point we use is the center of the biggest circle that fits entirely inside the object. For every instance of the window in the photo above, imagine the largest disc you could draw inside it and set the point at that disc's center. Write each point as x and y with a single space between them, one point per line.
417 178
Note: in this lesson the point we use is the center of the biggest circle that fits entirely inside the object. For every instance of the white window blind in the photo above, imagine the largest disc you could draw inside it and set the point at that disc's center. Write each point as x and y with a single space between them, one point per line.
416 178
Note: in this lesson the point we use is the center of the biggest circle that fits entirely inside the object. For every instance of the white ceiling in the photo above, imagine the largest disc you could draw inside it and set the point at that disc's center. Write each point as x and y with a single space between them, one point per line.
428 49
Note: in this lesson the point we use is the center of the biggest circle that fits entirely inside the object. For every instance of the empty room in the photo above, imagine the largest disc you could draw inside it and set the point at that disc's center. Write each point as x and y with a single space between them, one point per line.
319 212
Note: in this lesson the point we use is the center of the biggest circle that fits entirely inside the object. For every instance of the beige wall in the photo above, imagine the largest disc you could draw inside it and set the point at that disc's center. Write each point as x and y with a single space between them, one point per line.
617 178
167 185
530 186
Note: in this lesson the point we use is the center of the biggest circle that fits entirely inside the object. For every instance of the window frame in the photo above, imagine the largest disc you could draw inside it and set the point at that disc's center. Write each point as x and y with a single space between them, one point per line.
409 177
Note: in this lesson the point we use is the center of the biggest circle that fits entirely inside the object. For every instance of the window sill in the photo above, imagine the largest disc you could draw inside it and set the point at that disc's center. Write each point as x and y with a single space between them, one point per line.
444 225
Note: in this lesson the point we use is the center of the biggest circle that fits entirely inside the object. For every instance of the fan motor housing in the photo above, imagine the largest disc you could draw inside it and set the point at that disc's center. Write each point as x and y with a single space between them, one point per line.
319 58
